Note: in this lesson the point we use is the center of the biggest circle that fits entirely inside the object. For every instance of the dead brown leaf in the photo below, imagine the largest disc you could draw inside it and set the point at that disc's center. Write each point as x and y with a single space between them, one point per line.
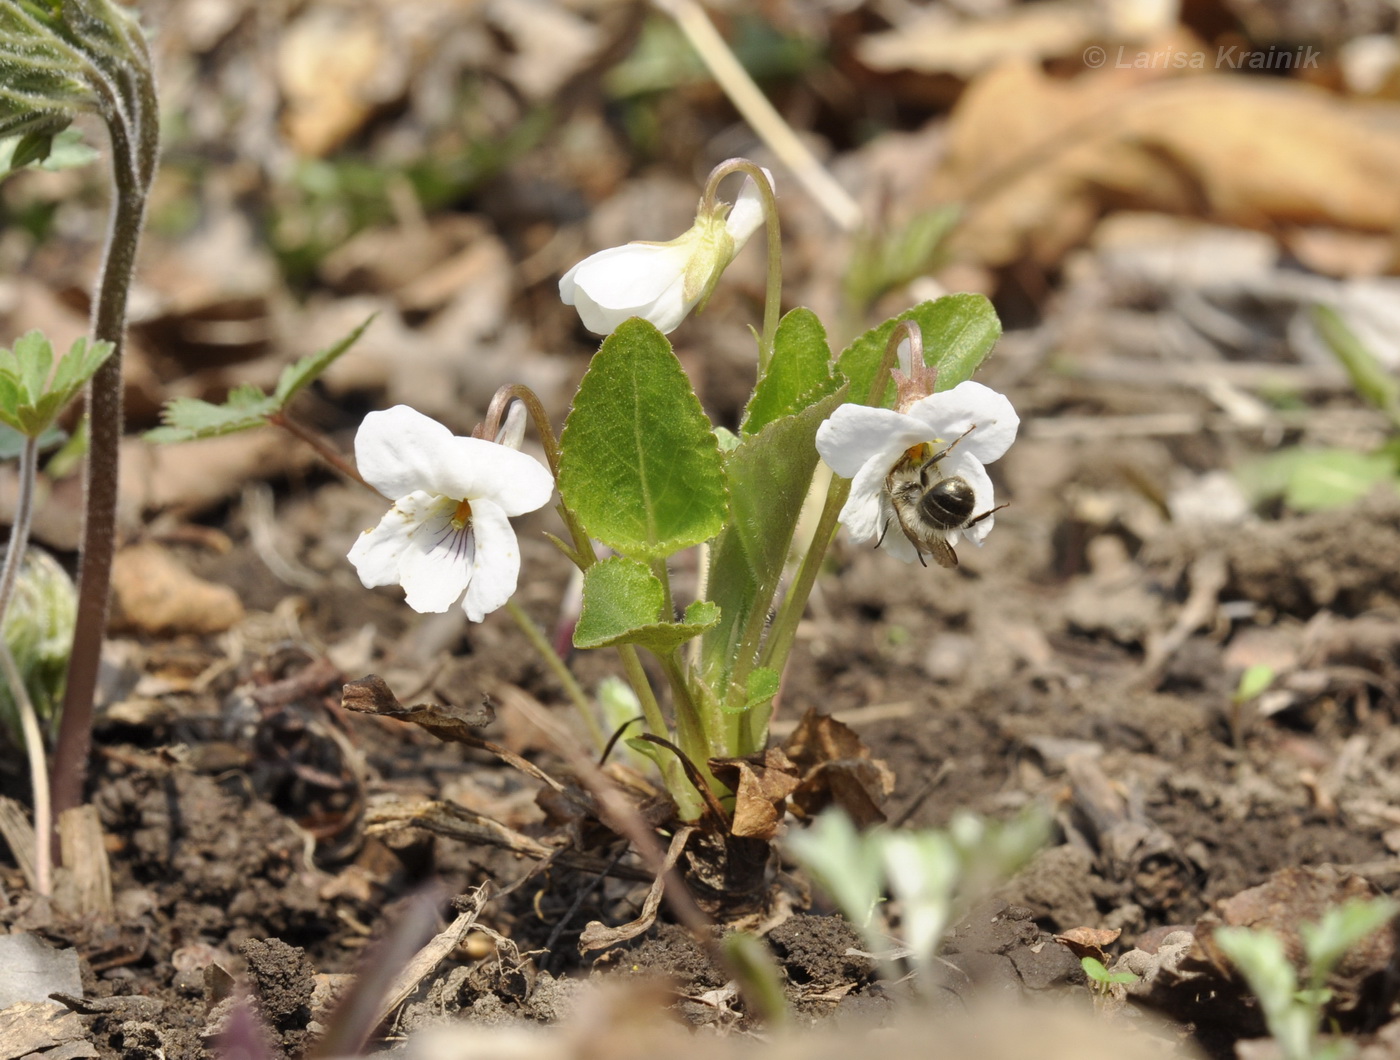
836 769
1089 942
760 788
1039 159
153 593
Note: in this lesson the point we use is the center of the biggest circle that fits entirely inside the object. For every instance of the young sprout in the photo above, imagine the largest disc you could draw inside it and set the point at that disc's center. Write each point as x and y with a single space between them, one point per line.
1293 1012
1254 682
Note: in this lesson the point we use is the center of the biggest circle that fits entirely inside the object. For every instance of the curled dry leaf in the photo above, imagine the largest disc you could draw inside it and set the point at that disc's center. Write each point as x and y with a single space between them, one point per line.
836 768
760 786
597 935
1089 942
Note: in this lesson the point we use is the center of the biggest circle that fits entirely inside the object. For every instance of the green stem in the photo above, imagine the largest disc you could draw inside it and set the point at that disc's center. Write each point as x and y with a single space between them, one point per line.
38 772
131 112
321 447
556 665
784 632
28 719
689 804
773 289
790 611
19 527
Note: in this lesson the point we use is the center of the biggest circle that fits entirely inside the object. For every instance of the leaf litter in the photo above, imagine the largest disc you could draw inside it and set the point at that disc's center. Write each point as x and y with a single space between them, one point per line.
1152 237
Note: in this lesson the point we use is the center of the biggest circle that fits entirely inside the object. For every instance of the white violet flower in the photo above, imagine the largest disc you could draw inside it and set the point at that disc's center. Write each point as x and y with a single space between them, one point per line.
918 480
662 282
449 530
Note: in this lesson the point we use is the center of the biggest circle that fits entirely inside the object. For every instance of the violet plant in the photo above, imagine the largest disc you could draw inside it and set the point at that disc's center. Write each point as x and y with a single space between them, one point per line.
643 475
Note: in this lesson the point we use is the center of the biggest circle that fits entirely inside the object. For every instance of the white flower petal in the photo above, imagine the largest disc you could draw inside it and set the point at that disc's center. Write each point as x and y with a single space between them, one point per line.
949 413
438 561
861 514
639 279
497 562
473 468
747 212
399 451
376 553
853 435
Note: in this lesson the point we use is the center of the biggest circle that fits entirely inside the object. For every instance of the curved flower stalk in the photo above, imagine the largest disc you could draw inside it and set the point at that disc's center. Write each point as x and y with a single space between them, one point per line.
448 535
663 282
918 478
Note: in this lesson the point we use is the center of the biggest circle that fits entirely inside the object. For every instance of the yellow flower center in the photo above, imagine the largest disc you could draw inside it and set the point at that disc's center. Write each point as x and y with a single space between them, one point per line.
462 516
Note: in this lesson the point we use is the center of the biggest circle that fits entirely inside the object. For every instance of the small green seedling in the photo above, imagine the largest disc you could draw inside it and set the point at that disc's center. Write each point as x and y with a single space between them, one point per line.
932 873
1293 1012
1095 970
1254 682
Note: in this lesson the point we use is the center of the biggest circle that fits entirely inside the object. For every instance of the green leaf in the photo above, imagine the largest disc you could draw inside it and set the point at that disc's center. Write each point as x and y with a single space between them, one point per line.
1312 479
622 604
1370 378
959 330
29 399
639 461
768 477
33 355
189 418
799 373
761 686
295 376
1254 682
246 406
882 261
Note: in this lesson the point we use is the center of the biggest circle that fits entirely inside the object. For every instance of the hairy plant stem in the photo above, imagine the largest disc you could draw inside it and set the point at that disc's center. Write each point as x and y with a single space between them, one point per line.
772 234
28 719
130 111
687 801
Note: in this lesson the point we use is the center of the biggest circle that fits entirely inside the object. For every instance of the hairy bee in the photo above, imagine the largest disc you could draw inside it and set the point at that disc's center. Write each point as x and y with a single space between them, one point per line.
928 505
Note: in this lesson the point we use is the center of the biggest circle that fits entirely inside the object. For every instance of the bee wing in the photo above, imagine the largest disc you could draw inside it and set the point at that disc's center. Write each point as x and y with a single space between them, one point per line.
941 551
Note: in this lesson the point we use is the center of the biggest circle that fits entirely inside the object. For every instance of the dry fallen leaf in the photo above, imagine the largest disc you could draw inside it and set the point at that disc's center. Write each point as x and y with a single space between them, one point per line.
1089 942
760 787
153 593
836 767
1038 160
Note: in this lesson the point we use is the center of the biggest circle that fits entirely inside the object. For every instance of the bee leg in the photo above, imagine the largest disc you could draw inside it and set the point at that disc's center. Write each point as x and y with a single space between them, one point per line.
990 511
936 457
883 530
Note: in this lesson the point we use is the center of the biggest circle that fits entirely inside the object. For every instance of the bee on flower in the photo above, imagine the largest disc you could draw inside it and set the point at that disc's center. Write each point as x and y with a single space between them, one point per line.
919 482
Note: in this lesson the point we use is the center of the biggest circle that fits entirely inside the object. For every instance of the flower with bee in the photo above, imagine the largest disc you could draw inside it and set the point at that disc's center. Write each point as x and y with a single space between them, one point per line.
919 482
